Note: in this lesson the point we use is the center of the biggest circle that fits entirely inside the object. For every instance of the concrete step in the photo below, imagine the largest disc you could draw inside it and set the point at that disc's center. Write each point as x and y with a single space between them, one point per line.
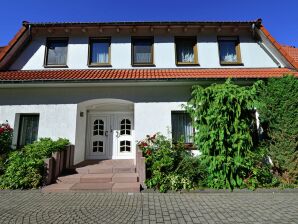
125 178
69 179
105 169
126 187
92 187
96 178
129 169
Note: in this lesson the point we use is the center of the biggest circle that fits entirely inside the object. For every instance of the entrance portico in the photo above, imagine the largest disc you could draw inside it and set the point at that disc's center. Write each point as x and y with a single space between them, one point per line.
106 127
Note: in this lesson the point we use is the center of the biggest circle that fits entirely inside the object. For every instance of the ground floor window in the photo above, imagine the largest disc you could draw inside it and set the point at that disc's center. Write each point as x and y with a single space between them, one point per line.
182 127
28 129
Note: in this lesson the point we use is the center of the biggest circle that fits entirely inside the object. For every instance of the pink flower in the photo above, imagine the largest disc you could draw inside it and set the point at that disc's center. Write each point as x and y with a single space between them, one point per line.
148 152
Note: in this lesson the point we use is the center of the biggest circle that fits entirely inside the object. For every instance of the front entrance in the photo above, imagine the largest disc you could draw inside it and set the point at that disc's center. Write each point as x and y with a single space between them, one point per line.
110 136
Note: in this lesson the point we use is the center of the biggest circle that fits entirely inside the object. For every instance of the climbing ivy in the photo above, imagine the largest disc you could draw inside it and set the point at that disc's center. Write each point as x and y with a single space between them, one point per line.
222 118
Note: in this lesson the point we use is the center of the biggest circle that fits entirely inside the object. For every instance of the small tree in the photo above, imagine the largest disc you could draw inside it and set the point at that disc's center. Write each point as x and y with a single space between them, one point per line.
222 117
279 113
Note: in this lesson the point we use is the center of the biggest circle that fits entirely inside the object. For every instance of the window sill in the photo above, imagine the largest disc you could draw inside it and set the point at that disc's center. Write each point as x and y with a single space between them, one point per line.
231 64
143 65
187 64
55 66
99 65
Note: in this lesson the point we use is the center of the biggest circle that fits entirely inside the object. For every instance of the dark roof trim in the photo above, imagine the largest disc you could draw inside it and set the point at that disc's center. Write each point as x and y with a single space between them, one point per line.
144 23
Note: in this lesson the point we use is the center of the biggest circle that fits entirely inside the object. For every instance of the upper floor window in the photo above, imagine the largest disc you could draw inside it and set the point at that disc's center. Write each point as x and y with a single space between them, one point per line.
142 51
186 51
56 52
229 50
99 52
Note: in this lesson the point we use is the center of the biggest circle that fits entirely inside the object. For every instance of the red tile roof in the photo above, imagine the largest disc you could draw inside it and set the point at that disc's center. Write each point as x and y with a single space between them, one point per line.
15 39
292 51
279 47
140 74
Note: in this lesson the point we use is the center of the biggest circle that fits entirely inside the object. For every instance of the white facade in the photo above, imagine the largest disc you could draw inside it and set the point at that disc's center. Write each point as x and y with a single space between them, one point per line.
64 110
73 111
252 53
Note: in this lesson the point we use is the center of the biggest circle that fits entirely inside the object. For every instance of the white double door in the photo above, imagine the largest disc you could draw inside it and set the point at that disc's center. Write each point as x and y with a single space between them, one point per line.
110 136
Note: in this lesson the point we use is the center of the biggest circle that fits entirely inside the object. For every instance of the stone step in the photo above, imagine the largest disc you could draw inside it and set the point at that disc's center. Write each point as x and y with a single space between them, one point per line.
125 178
96 178
126 187
104 169
92 187
69 179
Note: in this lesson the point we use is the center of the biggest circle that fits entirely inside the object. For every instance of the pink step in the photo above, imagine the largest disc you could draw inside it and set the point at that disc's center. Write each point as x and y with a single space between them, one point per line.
96 178
126 187
125 178
130 169
99 170
92 187
69 179
61 187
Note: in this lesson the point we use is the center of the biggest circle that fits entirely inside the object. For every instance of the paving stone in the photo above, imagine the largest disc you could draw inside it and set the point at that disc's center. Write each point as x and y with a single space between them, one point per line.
36 207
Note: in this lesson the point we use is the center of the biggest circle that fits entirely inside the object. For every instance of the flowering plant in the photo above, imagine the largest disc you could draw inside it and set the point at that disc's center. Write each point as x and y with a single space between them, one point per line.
169 166
6 133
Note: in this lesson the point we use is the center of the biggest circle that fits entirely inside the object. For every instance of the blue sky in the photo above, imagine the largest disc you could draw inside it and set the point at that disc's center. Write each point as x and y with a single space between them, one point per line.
280 17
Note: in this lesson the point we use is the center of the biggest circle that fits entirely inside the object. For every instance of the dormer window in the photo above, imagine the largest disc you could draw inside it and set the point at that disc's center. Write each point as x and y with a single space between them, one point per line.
56 52
99 52
186 51
229 51
142 51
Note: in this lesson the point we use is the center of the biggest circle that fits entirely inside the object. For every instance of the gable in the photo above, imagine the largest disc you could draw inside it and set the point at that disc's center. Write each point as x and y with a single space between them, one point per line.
259 50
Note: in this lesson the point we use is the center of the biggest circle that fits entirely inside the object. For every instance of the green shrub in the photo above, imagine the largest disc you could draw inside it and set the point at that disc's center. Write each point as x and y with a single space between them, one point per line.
222 114
170 167
25 168
278 112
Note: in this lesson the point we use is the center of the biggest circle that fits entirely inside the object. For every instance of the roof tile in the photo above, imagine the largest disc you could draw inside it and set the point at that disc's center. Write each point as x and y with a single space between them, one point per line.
292 51
140 74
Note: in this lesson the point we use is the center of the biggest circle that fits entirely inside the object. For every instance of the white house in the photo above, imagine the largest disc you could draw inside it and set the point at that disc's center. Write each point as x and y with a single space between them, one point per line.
105 86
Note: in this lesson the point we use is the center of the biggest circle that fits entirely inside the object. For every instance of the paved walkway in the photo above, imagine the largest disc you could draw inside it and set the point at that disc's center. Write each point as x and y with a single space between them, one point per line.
37 207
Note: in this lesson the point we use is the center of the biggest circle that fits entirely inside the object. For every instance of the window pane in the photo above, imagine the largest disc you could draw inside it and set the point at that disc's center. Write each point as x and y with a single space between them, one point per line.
57 51
182 127
28 129
185 52
100 52
142 51
228 51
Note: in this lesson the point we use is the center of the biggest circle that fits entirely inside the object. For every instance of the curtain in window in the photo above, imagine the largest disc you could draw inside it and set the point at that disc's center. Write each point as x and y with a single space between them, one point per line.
28 129
185 51
57 53
182 127
142 52
100 53
228 51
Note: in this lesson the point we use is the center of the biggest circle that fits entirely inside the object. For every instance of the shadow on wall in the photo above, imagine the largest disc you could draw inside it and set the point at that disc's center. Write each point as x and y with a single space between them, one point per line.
73 95
32 48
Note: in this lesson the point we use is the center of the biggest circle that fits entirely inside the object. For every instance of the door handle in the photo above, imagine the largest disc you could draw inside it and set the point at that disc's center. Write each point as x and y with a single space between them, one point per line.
117 134
106 133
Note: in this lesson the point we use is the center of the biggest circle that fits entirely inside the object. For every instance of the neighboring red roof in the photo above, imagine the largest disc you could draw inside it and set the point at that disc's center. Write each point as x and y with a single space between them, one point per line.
141 74
14 40
279 47
292 51
1 49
